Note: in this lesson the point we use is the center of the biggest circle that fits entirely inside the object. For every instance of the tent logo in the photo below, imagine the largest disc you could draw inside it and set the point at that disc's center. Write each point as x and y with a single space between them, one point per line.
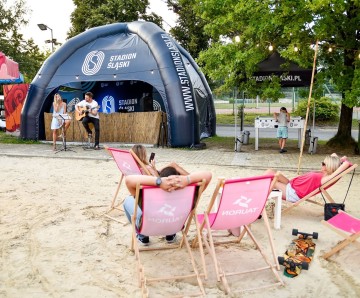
92 63
108 104
156 106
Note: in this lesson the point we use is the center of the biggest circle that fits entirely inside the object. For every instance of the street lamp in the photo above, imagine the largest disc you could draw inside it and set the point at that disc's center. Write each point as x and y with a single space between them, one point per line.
44 28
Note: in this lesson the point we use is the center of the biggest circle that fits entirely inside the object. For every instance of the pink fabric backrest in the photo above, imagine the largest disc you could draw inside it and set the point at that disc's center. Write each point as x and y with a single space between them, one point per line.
241 202
345 222
165 213
125 162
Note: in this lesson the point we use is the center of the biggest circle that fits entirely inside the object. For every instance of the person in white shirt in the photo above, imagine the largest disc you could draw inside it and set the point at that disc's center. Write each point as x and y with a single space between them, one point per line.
87 110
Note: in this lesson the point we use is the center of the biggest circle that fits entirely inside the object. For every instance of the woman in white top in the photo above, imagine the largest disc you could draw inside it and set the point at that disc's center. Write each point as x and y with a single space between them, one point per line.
59 107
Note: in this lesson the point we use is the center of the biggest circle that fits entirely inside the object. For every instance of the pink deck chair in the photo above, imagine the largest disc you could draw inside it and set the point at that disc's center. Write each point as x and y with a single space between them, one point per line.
346 226
323 189
242 201
128 164
166 213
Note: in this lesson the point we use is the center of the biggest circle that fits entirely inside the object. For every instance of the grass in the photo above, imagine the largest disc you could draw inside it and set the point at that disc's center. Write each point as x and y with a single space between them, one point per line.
9 139
229 119
226 144
226 105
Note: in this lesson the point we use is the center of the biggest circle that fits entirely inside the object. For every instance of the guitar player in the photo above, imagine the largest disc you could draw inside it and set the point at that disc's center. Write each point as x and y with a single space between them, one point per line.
87 112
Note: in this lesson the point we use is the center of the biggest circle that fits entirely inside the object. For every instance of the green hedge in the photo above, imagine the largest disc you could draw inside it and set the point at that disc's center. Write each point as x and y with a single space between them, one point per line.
325 109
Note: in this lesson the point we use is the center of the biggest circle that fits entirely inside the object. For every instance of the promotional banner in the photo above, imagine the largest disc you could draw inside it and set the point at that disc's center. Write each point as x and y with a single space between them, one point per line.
290 74
14 97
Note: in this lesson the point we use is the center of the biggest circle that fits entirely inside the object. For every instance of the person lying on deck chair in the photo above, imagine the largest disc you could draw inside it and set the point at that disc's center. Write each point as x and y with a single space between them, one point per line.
296 188
169 180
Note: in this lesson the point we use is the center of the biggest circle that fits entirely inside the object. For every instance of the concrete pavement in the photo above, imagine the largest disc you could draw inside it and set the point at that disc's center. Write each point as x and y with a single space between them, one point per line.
261 159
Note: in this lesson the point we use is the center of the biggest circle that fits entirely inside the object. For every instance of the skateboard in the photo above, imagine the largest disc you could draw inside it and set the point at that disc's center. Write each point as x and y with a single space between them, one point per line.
299 254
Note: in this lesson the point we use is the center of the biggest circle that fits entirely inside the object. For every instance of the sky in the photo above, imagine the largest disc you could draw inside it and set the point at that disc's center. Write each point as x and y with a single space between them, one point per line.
56 15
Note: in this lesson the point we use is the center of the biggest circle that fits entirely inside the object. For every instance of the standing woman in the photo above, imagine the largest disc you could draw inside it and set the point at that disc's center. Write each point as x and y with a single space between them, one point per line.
59 107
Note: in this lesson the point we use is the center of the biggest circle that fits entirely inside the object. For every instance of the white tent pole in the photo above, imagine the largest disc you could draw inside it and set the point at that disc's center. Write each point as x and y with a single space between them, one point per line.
308 107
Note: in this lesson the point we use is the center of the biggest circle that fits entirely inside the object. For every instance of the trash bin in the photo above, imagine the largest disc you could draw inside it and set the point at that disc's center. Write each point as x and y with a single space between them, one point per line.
238 144
313 145
246 135
307 137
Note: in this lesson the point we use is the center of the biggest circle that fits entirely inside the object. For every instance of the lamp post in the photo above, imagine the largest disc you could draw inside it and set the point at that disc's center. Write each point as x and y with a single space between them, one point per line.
44 28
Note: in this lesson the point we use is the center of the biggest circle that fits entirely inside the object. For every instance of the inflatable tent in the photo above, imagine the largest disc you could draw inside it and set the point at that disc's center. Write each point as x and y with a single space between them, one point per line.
120 56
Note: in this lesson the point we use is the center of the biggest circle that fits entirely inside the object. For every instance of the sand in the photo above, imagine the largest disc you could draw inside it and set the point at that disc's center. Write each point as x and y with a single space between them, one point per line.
56 243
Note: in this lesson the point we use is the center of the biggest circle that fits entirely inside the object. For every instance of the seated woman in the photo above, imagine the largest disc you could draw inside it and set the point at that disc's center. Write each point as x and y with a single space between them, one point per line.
59 107
140 151
296 188
169 180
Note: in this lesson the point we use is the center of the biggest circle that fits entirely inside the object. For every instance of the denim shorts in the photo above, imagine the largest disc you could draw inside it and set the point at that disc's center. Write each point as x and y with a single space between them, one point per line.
282 132
291 195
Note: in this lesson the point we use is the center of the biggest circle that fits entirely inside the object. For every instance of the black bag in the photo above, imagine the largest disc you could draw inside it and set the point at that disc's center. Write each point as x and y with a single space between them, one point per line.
331 209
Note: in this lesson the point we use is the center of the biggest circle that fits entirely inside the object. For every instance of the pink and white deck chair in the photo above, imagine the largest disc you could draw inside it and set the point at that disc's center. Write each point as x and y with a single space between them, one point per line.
166 213
242 201
346 226
322 189
128 164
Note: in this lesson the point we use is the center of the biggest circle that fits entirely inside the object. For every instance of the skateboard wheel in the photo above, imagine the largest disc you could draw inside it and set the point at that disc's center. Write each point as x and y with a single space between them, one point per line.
315 235
295 232
305 265
281 260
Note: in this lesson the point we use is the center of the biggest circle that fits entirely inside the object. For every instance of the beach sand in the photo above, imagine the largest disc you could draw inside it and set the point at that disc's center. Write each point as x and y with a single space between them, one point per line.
56 243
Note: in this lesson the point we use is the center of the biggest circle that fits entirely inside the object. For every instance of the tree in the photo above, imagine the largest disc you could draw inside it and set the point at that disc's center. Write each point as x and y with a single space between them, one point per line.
93 13
12 42
189 28
292 27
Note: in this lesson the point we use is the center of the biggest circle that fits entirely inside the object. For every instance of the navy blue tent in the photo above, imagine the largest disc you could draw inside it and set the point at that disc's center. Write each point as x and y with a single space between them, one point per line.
130 60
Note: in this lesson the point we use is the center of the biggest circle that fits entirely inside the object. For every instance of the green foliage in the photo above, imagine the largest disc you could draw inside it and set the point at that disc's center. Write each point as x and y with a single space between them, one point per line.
271 90
12 42
189 28
93 13
284 25
325 110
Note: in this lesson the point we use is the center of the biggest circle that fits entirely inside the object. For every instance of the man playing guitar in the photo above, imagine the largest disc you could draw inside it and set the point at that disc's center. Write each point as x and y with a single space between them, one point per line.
87 111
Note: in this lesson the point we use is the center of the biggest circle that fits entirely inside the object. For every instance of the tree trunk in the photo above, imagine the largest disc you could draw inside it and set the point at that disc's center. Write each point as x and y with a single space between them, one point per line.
344 128
343 138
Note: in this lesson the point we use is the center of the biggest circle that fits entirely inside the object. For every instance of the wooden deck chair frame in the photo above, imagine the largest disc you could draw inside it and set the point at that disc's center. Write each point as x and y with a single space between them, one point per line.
148 201
323 189
135 168
346 226
210 243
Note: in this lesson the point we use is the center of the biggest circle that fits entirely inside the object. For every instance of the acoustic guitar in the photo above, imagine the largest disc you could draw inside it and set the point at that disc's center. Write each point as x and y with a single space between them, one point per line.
83 112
